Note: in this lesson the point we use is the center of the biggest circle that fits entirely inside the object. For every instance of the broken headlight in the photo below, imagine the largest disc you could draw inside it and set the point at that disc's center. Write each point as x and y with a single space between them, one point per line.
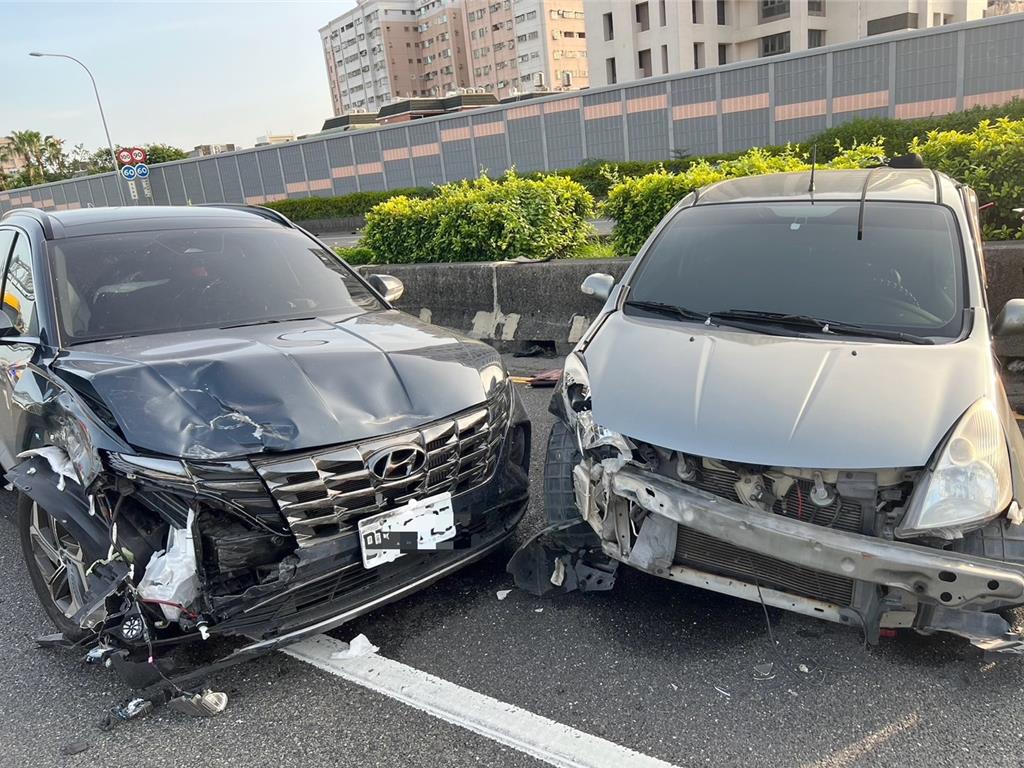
969 482
575 387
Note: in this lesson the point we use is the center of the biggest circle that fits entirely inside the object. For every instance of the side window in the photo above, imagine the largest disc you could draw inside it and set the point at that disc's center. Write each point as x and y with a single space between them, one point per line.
18 290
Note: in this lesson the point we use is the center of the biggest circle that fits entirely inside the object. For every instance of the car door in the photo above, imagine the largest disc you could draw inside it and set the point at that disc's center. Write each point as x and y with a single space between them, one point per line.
19 305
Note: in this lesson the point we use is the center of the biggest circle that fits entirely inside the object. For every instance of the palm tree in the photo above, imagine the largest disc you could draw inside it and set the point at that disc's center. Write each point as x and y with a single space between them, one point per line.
29 145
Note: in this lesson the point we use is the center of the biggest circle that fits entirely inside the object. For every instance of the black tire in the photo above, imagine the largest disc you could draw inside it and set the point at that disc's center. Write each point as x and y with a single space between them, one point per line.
559 497
57 617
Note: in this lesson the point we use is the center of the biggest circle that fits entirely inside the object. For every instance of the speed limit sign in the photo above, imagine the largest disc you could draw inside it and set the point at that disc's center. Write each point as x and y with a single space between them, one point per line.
124 156
138 155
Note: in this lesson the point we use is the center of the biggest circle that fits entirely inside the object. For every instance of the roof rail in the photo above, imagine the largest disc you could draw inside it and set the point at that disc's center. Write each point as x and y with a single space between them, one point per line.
34 213
258 210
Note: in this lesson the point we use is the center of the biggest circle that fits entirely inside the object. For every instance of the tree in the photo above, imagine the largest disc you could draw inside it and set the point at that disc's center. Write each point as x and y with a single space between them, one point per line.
28 145
164 153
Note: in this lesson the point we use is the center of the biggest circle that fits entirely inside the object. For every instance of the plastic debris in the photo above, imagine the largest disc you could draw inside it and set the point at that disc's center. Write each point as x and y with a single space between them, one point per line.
558 575
538 610
764 671
1014 513
803 668
74 748
358 647
59 462
131 710
723 692
9 487
206 704
503 593
171 576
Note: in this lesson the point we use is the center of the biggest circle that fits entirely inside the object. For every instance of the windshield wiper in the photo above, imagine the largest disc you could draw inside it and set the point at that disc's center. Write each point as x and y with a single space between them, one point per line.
816 323
263 321
663 308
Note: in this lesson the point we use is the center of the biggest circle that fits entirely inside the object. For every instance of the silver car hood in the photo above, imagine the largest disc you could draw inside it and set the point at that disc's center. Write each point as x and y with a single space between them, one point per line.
777 401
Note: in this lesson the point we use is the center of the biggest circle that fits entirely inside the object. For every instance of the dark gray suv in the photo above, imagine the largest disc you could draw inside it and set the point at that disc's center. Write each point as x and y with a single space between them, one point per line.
217 427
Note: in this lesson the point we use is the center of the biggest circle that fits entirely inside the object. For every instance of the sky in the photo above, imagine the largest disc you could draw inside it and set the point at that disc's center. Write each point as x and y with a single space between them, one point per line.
179 73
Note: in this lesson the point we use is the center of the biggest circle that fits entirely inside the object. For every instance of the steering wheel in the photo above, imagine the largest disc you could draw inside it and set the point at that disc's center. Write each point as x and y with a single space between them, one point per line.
904 307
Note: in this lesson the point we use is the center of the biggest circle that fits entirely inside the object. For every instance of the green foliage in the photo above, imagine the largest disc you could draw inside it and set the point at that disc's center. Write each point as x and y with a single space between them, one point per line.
342 206
483 220
638 204
990 159
595 249
354 255
898 134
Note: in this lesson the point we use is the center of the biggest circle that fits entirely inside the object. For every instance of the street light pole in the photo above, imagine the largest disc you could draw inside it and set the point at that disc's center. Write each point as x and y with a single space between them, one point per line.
103 117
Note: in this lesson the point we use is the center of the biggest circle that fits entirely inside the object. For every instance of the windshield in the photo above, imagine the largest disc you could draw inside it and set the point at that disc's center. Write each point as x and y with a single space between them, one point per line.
794 258
109 286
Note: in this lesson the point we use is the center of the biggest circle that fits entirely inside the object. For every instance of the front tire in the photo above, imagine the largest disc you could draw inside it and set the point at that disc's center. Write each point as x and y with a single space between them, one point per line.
50 550
559 495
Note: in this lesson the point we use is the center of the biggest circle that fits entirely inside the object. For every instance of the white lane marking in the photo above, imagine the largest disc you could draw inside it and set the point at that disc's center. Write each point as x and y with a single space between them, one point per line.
544 739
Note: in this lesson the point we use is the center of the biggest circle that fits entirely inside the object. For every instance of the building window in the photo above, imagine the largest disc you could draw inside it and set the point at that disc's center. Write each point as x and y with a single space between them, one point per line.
609 28
698 55
815 7
662 21
720 10
697 11
770 10
609 66
643 16
815 38
773 45
644 63
723 53
895 23
664 59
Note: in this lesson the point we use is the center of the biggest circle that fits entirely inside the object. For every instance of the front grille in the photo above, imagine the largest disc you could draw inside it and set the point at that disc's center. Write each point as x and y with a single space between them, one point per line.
706 553
324 493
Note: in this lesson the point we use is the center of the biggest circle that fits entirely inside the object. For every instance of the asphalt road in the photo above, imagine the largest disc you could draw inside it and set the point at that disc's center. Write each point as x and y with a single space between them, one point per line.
663 669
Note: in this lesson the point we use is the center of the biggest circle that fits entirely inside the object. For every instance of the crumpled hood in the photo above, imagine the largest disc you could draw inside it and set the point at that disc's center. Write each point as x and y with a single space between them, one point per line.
776 401
283 386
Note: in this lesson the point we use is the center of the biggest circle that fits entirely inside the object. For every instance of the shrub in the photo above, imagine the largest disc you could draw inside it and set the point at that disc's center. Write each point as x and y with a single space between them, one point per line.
638 204
990 159
483 220
341 207
354 255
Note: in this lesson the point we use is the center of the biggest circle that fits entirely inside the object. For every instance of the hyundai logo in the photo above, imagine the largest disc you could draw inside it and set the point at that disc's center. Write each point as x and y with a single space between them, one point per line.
397 462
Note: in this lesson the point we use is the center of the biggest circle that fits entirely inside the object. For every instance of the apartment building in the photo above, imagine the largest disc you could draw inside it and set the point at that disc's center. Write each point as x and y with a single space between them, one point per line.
630 40
384 50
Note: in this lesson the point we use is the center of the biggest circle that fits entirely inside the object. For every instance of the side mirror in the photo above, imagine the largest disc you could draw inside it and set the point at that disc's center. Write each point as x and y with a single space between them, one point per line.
598 285
1010 320
391 288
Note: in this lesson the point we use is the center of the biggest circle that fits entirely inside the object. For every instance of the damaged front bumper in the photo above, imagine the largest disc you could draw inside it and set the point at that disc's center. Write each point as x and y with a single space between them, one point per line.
896 584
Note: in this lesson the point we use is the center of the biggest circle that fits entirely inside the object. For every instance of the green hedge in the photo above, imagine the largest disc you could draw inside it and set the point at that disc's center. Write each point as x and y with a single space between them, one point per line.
990 159
638 204
483 220
354 255
343 206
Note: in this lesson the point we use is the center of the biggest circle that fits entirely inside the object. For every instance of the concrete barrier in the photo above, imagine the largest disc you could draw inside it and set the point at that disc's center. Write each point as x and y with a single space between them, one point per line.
520 305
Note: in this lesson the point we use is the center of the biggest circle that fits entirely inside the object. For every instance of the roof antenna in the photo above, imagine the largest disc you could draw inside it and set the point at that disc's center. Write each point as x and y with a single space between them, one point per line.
814 163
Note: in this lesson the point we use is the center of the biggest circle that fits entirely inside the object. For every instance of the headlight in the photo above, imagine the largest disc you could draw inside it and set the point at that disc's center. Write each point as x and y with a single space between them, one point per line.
575 387
970 481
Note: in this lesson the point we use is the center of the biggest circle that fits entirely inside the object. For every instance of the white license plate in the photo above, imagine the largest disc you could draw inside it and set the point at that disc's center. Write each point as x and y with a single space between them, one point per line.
419 525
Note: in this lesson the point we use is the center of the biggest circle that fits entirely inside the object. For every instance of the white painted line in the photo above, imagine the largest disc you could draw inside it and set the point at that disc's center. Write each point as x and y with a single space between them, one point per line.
507 724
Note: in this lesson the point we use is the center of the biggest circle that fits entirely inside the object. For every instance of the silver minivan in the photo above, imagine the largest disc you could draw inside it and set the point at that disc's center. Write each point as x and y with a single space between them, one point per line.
791 396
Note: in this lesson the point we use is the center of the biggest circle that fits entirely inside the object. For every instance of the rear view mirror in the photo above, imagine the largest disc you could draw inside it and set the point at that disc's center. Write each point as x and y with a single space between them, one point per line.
1010 321
598 285
391 288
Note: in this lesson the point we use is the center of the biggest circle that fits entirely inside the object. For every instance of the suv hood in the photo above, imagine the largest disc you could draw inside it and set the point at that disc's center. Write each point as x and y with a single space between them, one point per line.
214 393
778 401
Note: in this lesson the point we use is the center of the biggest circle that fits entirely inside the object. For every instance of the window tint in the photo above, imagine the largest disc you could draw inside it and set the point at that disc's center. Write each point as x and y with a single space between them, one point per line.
18 288
792 257
153 282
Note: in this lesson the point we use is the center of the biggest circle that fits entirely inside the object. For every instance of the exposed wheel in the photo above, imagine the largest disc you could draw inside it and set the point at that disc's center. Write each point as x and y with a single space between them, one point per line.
559 497
50 551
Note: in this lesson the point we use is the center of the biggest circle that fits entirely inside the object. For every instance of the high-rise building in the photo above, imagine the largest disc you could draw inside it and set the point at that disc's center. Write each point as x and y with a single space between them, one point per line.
385 50
630 40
